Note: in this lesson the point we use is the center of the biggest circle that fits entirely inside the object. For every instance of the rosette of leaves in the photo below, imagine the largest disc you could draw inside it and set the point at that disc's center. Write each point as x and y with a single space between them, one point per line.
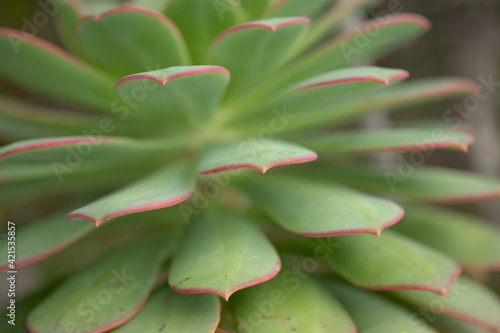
162 104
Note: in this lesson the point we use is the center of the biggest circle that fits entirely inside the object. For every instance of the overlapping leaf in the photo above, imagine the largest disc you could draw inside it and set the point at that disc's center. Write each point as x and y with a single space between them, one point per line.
447 231
392 262
169 312
317 210
221 253
166 187
467 300
288 303
134 32
104 295
260 155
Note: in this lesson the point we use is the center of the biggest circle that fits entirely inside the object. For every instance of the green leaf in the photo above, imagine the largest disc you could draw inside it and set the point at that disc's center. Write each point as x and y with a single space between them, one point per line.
66 18
467 300
44 68
259 155
221 253
371 40
447 324
147 38
310 8
206 19
326 89
399 139
253 49
254 8
170 312
446 231
43 238
165 187
374 314
392 262
104 295
289 304
430 184
158 5
176 94
416 92
316 210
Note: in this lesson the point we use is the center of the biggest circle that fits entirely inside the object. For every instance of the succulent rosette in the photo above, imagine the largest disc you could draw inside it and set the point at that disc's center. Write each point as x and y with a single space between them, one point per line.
148 123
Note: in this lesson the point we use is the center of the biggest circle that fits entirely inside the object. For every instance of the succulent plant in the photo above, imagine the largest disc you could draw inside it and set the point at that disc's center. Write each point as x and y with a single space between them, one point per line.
162 104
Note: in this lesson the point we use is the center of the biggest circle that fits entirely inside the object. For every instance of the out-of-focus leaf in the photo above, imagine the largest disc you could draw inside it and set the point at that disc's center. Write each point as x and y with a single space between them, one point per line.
43 238
44 68
104 295
416 92
254 8
206 19
288 303
158 5
176 94
310 8
467 300
317 210
259 155
221 253
251 50
392 262
466 238
452 325
147 38
171 312
422 183
400 139
374 314
165 187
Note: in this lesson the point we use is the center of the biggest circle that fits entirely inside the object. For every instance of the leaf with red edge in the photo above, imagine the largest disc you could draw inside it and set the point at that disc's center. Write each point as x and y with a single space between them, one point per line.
259 155
370 40
392 262
467 300
429 184
399 139
166 187
185 94
148 38
104 295
317 210
446 230
221 253
206 19
288 303
168 311
44 68
253 49
43 238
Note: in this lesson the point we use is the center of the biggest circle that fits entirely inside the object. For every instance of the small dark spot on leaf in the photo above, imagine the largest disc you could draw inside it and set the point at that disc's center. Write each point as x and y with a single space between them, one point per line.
294 329
161 328
288 318
120 309
186 279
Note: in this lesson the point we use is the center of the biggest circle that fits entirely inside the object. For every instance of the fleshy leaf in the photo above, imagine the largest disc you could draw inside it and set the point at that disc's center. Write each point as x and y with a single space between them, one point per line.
165 187
287 304
205 21
374 314
430 184
147 38
416 92
44 68
253 49
104 295
317 210
400 139
448 324
377 37
310 8
168 311
255 8
467 300
43 238
221 253
260 155
446 231
176 94
392 262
